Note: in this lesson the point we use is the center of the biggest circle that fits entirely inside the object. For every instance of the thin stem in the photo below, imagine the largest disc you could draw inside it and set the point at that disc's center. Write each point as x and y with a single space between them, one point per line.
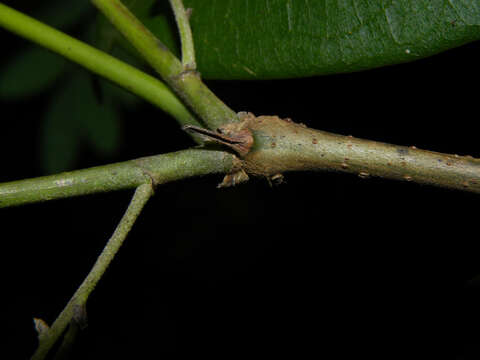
128 77
183 23
79 299
187 84
124 175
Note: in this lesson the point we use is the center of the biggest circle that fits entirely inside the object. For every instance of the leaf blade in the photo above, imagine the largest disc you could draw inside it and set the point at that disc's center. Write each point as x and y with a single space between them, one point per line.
243 39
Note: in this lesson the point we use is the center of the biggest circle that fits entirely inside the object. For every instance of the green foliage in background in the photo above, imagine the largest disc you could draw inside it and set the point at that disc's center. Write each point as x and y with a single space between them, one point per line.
76 116
83 109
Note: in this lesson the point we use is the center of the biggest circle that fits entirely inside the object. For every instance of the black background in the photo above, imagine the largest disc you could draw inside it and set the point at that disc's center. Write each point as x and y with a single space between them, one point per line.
326 263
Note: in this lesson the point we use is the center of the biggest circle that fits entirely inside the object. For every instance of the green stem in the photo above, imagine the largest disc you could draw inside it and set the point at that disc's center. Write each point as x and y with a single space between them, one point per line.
79 299
128 77
124 175
188 50
187 84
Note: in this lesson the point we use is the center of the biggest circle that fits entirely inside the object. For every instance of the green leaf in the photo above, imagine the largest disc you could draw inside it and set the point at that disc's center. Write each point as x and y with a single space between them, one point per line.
30 72
259 39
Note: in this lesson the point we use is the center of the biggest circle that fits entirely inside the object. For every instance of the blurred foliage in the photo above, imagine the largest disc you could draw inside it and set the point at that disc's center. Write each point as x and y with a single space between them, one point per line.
76 114
83 109
30 72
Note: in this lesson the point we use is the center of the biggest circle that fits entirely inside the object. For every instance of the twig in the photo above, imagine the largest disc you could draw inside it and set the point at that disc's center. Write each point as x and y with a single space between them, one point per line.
187 84
140 198
124 175
128 77
183 23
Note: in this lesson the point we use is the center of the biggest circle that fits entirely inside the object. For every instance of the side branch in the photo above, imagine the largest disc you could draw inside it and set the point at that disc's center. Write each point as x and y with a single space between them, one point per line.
282 146
79 299
124 175
188 50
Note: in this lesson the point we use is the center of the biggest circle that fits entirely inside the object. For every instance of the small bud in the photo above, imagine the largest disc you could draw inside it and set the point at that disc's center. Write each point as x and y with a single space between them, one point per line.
41 327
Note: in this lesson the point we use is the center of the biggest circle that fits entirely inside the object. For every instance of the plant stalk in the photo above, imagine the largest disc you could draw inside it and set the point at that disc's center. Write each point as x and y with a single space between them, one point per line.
79 299
183 23
157 169
282 146
186 84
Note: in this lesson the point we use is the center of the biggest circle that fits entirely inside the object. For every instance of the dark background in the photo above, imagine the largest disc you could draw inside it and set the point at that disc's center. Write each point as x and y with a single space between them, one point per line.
325 263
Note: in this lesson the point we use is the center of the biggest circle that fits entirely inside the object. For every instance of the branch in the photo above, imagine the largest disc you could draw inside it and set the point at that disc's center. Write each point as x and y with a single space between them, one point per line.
187 84
79 299
188 50
122 74
278 148
281 146
124 175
